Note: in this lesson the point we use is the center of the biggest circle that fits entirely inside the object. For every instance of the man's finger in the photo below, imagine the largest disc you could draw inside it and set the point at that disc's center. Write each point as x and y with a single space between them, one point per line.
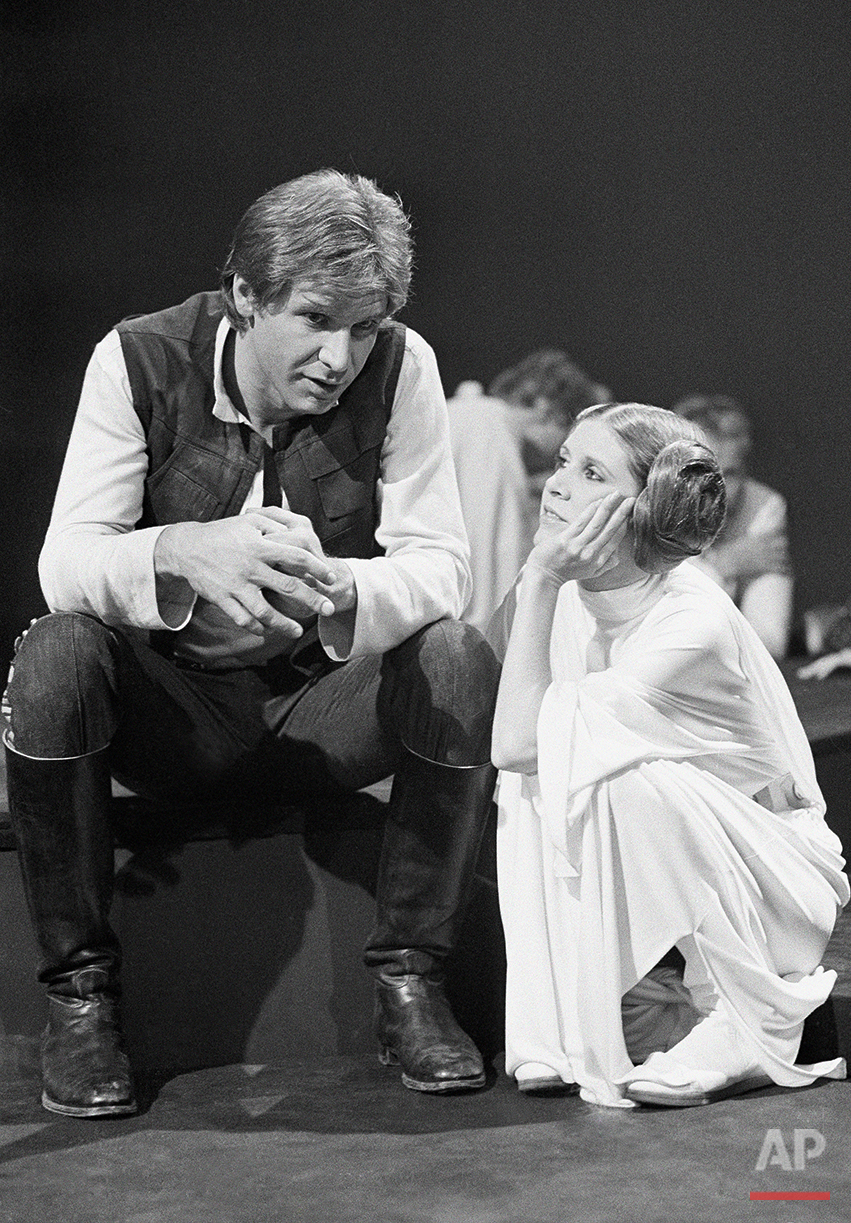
284 518
289 558
274 612
271 522
259 619
298 596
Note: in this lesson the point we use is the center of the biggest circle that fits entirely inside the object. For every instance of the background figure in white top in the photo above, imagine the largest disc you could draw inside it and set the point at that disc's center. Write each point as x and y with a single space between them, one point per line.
657 790
504 445
750 556
494 493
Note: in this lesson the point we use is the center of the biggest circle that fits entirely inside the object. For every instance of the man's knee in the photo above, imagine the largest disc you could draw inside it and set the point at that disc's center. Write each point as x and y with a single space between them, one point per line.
451 649
443 694
58 696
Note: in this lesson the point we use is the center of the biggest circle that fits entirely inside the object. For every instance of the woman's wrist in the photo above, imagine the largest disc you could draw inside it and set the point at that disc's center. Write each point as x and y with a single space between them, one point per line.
538 575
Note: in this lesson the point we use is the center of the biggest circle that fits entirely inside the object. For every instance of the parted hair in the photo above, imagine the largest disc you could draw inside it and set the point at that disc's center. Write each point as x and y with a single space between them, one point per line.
681 506
336 230
547 374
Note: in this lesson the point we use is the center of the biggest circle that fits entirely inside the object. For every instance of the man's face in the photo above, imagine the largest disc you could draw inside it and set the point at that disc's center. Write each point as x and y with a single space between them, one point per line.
299 357
539 429
731 453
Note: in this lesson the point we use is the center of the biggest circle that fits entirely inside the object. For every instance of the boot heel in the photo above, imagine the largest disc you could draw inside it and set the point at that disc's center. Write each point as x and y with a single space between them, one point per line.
387 1057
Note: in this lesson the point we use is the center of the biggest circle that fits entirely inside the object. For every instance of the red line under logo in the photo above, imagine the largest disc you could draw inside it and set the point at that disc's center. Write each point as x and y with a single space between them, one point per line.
789 1197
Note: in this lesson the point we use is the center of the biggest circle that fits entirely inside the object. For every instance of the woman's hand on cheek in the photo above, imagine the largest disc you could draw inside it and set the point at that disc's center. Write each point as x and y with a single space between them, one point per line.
587 547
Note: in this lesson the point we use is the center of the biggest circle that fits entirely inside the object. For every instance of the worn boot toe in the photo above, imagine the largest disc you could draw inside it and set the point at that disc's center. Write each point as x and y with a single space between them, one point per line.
86 1072
417 1031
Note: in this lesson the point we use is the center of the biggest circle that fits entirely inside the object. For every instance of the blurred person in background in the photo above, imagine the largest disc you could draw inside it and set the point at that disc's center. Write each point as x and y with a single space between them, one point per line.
505 443
750 557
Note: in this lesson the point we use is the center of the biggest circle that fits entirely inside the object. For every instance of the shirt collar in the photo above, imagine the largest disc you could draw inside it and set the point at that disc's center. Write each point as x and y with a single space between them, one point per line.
223 406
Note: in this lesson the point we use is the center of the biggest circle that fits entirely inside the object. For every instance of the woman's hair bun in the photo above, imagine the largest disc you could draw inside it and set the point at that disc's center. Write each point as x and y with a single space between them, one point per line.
681 509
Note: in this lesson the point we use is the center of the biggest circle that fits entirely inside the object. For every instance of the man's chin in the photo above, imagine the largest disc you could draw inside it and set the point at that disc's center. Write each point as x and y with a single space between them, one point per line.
315 398
314 405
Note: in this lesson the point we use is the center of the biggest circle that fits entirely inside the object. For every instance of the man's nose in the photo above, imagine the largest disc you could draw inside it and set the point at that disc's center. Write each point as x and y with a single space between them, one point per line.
336 351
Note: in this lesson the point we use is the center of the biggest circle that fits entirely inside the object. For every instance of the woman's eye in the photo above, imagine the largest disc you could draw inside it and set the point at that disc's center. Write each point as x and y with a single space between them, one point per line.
592 473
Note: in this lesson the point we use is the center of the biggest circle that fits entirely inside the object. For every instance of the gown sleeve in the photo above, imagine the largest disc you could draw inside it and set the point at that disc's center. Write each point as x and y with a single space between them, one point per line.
690 683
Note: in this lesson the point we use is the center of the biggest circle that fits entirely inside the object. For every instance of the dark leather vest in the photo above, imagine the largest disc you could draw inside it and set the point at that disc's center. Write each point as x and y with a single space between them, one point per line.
201 468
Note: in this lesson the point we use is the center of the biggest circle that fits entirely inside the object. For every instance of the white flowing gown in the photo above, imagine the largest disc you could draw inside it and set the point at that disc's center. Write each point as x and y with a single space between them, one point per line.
675 803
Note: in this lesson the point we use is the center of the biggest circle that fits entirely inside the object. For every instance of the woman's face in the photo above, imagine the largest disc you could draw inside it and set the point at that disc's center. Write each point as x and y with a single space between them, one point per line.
592 463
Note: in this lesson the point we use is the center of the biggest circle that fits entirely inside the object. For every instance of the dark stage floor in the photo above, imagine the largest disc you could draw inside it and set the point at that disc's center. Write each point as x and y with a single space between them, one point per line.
339 1139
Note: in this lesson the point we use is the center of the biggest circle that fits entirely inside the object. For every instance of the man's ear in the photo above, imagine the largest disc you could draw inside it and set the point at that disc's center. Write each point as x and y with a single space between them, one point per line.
243 298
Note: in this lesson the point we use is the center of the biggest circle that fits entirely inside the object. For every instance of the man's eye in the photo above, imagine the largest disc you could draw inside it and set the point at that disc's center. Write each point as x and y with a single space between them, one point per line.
366 328
316 320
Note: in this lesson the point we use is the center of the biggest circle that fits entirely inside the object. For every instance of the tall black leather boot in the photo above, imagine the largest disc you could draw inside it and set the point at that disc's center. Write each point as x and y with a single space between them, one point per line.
436 818
59 811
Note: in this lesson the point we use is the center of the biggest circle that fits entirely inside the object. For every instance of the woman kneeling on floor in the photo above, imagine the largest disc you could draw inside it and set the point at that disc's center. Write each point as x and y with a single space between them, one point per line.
657 792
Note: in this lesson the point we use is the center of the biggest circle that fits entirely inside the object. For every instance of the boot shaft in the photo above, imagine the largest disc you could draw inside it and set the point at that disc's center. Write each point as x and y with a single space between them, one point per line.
436 819
60 815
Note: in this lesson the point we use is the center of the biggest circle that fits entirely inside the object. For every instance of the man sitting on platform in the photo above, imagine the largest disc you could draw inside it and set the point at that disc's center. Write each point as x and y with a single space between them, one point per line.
255 567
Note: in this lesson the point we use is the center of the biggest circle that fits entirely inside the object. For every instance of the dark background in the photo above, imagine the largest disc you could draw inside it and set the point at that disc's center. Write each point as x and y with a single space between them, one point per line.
659 188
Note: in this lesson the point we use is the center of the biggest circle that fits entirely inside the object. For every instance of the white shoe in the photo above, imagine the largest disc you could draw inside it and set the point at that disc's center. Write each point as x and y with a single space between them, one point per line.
535 1078
707 1065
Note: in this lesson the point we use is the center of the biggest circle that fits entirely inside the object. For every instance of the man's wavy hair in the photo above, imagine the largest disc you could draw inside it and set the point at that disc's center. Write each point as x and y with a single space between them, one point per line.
337 231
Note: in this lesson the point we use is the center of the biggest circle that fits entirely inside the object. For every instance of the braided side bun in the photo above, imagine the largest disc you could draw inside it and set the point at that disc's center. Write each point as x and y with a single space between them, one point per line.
681 509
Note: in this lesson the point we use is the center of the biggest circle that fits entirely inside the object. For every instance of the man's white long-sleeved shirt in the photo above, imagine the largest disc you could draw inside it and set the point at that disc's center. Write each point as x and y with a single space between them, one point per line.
95 561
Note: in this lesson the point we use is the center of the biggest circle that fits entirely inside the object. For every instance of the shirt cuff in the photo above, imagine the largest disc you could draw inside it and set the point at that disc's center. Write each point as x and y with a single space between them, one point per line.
337 635
113 579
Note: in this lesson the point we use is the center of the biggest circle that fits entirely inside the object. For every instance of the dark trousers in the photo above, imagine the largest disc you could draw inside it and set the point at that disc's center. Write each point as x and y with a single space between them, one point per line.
79 688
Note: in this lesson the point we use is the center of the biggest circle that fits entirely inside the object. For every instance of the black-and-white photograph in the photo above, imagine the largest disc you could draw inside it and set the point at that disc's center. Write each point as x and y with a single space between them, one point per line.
426 632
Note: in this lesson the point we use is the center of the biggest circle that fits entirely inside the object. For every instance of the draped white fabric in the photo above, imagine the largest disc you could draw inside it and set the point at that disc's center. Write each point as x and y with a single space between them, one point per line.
676 803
